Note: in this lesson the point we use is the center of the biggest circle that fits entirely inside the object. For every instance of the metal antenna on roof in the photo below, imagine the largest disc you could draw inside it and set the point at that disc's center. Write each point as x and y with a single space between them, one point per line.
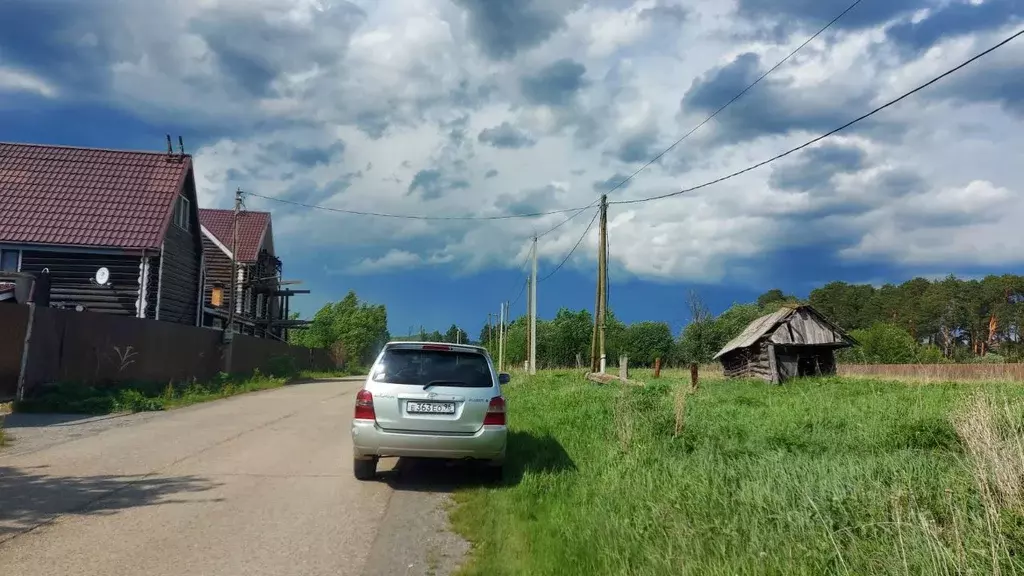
181 146
170 148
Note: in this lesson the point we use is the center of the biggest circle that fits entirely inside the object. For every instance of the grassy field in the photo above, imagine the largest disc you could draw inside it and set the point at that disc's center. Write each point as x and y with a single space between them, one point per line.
830 476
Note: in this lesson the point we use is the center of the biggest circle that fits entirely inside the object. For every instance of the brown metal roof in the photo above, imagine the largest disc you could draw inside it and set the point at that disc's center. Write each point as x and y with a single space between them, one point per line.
252 228
87 197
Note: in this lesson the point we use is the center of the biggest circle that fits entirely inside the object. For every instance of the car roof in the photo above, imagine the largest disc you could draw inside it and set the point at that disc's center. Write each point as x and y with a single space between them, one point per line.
458 347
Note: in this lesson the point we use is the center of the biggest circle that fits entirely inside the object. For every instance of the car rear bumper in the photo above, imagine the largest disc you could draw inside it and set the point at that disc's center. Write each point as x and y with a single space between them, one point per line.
370 440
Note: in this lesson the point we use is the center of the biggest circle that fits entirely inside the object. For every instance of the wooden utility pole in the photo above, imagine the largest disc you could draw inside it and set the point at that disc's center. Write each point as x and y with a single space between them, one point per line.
490 340
597 351
235 300
529 307
501 338
533 311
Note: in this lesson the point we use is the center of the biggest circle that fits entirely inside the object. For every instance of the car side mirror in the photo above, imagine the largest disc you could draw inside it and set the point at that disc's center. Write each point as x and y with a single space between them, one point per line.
504 378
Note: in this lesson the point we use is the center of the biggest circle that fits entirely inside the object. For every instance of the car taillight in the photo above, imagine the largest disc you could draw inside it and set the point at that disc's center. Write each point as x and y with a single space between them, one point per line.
364 406
495 412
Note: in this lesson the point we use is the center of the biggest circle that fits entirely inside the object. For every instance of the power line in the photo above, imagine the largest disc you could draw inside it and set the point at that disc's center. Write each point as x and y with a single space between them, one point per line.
829 133
411 216
567 256
577 211
735 98
566 221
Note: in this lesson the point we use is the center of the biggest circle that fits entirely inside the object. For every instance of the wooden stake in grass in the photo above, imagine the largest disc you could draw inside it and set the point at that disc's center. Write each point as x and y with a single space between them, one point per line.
681 393
694 380
657 367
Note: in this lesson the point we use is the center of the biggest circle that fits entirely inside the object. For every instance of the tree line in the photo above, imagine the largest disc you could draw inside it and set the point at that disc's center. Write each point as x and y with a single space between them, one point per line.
919 321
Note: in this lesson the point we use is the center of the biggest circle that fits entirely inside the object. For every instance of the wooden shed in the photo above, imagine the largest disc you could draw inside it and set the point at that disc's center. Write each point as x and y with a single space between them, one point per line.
795 341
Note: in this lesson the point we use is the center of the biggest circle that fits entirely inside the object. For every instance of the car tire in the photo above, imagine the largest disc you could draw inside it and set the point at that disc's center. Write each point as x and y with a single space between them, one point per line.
364 469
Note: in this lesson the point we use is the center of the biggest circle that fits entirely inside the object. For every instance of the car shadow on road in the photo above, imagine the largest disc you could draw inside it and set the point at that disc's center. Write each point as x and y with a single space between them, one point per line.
526 453
29 497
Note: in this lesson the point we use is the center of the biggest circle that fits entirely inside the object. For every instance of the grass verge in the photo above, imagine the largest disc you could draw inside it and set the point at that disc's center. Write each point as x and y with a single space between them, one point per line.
71 398
825 476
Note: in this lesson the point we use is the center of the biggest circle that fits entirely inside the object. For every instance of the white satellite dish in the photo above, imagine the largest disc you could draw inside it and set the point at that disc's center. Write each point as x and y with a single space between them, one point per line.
102 276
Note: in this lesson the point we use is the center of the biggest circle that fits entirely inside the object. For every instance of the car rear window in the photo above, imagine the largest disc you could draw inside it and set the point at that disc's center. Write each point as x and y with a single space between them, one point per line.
422 367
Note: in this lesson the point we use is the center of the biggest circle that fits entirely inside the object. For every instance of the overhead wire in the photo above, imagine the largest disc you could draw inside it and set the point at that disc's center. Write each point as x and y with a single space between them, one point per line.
577 211
830 132
411 216
739 95
569 255
736 97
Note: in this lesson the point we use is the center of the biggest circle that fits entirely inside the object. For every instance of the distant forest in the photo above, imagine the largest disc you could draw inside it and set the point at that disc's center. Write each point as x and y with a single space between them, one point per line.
923 320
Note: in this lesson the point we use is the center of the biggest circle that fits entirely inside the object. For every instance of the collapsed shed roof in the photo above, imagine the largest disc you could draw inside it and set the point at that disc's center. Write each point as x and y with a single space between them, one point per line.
805 334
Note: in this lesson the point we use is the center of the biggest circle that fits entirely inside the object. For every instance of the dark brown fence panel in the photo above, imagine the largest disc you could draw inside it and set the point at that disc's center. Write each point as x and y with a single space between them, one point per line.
249 353
44 346
13 323
102 349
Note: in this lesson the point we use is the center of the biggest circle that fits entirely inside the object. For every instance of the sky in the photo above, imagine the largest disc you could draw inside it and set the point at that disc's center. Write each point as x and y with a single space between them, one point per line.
484 108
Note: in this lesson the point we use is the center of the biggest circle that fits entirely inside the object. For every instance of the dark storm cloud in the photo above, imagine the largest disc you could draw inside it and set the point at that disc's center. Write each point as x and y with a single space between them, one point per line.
792 14
502 28
506 136
611 182
771 108
528 201
637 148
253 50
665 12
556 84
70 43
953 20
491 174
816 167
432 184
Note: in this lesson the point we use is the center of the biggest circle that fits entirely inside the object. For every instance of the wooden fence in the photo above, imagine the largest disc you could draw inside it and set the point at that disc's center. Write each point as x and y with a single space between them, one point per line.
936 372
103 349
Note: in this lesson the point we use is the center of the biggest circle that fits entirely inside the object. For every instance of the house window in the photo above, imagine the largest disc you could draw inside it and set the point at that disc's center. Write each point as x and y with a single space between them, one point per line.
181 214
9 260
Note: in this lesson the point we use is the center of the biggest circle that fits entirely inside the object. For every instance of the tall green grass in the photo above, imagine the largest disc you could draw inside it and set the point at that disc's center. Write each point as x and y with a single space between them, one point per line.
827 476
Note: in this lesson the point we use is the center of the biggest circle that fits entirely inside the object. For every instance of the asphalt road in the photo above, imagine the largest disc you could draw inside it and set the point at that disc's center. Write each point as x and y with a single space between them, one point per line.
256 484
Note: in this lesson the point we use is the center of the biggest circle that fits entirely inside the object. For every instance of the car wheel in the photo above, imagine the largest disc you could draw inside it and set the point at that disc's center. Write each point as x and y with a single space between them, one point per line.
364 469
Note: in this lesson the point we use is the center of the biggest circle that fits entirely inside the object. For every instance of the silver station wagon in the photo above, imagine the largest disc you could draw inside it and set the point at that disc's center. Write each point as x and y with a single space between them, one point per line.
430 400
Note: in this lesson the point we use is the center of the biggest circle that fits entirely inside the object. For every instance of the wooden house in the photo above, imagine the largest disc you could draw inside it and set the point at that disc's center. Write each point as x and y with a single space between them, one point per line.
116 231
795 341
260 301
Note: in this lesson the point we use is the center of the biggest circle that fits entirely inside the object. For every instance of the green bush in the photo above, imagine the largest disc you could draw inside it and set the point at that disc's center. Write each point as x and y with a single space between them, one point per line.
282 366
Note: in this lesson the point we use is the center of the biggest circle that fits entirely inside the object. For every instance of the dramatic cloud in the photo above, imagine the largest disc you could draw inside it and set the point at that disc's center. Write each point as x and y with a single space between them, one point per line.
506 136
556 84
481 108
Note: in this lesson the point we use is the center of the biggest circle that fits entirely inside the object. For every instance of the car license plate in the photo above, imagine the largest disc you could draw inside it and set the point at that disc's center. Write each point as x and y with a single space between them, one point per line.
430 407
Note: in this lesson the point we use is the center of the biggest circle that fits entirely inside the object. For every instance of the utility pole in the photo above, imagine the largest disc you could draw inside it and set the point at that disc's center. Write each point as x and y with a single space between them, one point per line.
501 338
489 339
604 275
526 353
234 262
597 352
533 311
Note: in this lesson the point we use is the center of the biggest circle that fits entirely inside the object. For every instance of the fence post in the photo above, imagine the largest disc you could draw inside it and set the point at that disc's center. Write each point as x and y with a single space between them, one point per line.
657 367
623 367
694 382
19 395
